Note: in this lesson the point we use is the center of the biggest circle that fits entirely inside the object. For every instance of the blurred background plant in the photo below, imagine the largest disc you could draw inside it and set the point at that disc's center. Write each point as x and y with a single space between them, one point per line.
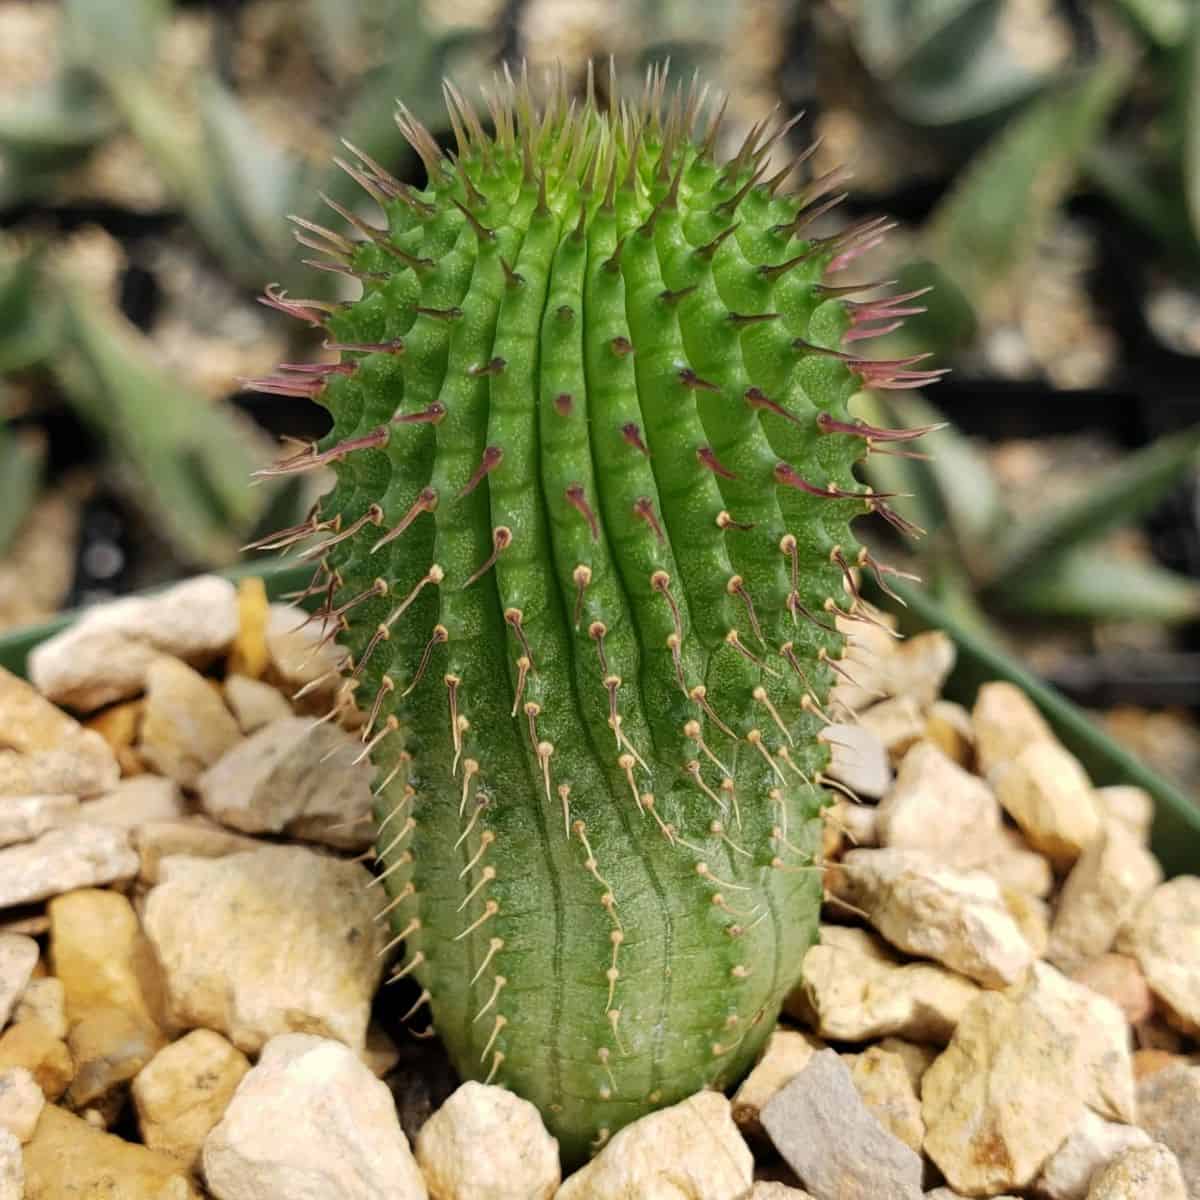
1041 158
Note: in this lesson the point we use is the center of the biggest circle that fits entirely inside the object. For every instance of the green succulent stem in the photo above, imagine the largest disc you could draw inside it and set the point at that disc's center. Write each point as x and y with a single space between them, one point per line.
589 557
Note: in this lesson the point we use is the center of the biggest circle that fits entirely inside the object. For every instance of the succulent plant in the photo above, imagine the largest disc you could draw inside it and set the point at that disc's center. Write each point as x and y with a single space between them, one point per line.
589 555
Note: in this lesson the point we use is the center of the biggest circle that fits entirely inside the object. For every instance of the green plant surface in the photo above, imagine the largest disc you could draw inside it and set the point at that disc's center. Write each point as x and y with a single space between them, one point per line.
989 223
592 517
186 459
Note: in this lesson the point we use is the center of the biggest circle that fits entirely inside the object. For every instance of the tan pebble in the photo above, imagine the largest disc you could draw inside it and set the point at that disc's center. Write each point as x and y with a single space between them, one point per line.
1048 794
897 723
882 1080
1130 807
854 988
1032 916
44 1000
692 1149
258 944
103 959
1139 1174
118 726
184 1090
948 726
935 805
1119 978
31 1045
1147 1062
69 1157
1001 1099
957 918
196 837
104 655
254 703
1005 722
1164 936
1104 890
522 1159
187 726
919 666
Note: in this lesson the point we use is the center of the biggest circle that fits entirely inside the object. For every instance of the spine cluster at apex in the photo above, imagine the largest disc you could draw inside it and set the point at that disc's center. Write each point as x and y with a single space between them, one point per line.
589 557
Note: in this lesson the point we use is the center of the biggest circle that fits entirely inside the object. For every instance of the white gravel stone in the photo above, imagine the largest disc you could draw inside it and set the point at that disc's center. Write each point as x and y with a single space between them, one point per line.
826 1134
1002 1097
854 988
1105 888
21 1102
1164 936
1140 1174
919 666
690 1151
485 1143
259 944
1006 721
64 859
104 655
254 703
294 776
1048 794
18 957
897 723
883 1082
935 805
23 818
186 726
310 1121
957 918
184 1090
195 837
44 751
135 801
44 999
1130 807
12 1167
1090 1146
858 759
1094 1030
1008 859
1169 1111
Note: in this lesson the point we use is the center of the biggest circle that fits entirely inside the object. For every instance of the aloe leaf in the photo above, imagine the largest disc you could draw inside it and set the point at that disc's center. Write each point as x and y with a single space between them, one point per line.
114 34
1162 21
984 231
30 319
21 462
189 460
1176 832
941 60
1118 496
1090 584
252 175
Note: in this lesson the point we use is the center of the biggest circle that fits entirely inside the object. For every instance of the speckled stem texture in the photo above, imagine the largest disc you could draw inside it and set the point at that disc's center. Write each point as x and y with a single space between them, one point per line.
587 554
